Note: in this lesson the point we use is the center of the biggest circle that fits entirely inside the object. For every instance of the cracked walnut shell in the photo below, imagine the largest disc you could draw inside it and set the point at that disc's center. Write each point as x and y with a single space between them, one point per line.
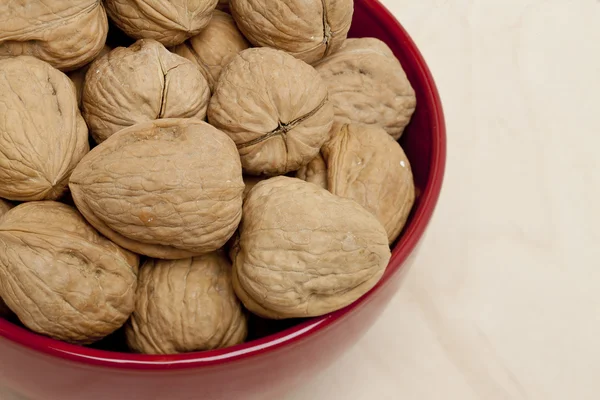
65 33
140 83
213 48
60 277
186 305
305 252
307 29
368 85
42 133
169 22
169 188
274 107
367 165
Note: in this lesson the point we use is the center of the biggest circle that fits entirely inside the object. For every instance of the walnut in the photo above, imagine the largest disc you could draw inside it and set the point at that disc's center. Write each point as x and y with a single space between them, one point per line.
368 85
4 310
314 172
169 22
214 47
303 251
66 33
274 107
307 29
367 165
141 83
60 277
78 76
42 133
4 207
186 305
169 188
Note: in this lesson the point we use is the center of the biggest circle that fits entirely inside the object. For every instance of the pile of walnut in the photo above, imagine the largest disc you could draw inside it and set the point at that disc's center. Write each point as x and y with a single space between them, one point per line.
283 204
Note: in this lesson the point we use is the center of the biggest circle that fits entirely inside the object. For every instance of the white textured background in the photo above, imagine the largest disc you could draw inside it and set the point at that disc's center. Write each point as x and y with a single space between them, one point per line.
504 300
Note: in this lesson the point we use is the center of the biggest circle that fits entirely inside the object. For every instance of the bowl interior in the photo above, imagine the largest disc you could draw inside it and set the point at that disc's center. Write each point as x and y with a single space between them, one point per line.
424 144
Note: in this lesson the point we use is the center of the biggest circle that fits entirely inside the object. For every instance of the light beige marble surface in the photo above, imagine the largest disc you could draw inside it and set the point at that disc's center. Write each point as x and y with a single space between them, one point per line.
504 301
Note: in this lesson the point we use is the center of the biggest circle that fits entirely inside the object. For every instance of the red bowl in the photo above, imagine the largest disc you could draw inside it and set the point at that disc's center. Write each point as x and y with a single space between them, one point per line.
44 369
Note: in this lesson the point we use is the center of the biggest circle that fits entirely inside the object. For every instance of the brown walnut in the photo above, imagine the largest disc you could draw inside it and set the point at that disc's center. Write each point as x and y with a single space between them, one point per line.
169 188
78 76
169 22
367 165
42 133
4 310
307 29
305 252
140 83
368 85
214 47
60 277
65 33
186 305
274 107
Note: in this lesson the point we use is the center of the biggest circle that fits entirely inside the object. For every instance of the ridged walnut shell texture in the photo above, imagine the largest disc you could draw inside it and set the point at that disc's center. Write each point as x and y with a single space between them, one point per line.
186 305
60 277
78 76
42 133
368 85
214 47
304 252
140 83
4 207
168 189
307 29
367 165
66 33
274 107
169 22
314 172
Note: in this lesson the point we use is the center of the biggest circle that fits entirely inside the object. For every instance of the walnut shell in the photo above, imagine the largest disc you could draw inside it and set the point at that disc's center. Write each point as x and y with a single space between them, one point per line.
78 76
169 22
368 85
214 47
42 133
169 188
307 29
140 83
367 165
314 172
274 107
4 207
65 33
305 252
4 310
186 305
60 277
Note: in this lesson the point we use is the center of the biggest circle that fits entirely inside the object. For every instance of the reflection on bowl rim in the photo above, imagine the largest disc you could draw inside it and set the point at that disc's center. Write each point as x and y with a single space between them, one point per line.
404 247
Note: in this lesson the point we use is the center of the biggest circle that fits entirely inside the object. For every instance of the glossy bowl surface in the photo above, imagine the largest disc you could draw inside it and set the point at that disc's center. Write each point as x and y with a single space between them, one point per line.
44 369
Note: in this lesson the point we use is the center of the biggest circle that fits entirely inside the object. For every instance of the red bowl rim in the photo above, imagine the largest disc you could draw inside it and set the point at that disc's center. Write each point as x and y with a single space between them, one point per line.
303 331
